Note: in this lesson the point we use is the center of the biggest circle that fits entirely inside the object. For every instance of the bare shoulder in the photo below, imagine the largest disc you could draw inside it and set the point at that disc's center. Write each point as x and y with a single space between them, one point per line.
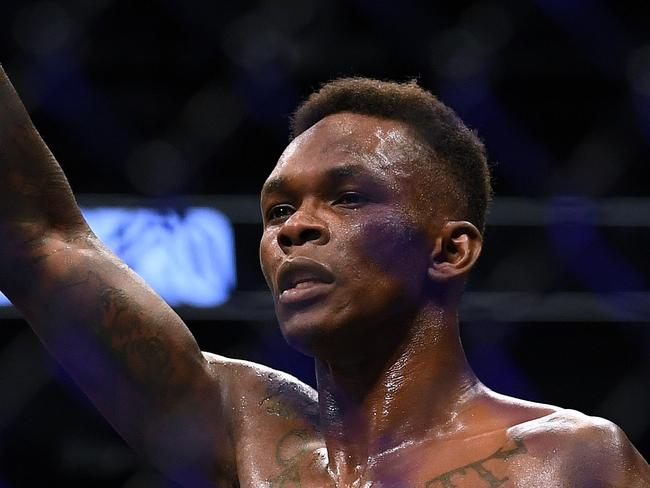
571 430
580 449
558 447
273 419
253 387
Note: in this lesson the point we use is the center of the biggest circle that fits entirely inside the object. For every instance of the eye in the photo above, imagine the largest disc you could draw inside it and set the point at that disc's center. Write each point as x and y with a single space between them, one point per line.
351 198
279 212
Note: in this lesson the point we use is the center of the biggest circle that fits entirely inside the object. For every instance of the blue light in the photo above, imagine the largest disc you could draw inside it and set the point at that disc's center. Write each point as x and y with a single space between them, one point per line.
187 256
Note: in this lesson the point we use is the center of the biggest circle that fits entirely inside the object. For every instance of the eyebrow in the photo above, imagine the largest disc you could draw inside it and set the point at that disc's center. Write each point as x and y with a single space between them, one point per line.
332 175
273 186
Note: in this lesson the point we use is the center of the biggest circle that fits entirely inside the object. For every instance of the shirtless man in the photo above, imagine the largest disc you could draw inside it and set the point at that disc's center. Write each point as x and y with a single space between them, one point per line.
373 218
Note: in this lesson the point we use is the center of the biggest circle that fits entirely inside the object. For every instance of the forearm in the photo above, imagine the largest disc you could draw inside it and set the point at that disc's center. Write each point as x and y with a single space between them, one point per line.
34 193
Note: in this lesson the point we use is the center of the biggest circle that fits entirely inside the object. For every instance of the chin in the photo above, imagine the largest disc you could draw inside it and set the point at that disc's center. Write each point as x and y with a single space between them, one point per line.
308 337
317 336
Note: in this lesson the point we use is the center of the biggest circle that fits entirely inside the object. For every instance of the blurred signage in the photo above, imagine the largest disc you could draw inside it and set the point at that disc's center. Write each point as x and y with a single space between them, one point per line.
186 254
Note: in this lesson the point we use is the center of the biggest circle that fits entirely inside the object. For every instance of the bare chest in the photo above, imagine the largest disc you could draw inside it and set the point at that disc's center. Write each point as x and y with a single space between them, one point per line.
298 458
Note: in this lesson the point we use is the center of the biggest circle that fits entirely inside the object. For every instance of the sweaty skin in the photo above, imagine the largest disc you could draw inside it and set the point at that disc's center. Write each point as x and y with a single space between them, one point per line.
365 263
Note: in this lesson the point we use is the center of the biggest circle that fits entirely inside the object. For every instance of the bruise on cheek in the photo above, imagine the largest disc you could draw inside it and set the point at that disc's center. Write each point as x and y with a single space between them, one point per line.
391 245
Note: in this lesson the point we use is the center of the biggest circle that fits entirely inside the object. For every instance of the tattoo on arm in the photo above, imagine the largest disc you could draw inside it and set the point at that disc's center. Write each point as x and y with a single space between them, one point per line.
133 343
445 480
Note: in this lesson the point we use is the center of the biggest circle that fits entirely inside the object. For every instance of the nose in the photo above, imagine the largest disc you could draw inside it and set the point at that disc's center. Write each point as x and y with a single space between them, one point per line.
300 229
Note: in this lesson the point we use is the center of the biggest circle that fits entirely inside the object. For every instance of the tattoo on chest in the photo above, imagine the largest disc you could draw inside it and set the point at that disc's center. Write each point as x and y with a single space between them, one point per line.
285 402
276 407
446 480
294 445
289 452
282 400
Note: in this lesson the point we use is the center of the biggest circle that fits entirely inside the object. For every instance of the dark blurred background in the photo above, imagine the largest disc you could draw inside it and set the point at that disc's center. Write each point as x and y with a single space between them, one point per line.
164 99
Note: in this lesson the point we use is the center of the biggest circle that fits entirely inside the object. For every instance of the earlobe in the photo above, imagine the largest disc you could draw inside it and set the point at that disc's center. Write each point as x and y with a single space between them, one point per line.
455 251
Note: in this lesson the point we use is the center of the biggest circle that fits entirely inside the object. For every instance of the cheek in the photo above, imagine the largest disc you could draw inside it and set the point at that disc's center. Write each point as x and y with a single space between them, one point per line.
391 247
267 259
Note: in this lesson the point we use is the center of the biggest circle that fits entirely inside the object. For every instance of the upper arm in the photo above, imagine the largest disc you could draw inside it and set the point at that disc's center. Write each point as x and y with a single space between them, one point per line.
129 352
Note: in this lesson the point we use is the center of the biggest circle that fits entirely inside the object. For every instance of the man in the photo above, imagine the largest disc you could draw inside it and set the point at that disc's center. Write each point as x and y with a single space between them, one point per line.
373 218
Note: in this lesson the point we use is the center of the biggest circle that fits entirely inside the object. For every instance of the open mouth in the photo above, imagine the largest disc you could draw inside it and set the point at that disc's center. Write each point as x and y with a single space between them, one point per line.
302 279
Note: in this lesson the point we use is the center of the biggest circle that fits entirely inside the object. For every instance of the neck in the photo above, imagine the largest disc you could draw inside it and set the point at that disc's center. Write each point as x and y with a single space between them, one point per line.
389 398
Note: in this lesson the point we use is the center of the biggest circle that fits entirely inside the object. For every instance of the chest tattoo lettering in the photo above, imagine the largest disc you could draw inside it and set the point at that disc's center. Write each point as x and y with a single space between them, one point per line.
446 480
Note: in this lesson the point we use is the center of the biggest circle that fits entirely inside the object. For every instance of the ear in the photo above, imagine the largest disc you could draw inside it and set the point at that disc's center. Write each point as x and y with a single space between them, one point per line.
456 249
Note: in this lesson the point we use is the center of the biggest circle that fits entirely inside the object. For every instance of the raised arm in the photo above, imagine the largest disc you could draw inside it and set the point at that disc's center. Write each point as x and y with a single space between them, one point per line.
123 345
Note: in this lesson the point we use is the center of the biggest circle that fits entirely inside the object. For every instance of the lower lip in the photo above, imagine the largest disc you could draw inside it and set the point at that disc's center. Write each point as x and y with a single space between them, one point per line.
304 292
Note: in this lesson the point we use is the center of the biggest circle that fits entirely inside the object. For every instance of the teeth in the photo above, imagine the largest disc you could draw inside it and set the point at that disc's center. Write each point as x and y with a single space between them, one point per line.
303 284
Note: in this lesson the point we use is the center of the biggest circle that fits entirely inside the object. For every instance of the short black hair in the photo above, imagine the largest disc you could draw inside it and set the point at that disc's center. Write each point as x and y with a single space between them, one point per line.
437 125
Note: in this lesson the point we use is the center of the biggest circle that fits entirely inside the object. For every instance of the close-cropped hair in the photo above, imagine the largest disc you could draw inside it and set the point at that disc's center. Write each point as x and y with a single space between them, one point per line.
459 149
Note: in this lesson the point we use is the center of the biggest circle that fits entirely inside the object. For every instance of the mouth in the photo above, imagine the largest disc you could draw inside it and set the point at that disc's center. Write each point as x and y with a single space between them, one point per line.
302 279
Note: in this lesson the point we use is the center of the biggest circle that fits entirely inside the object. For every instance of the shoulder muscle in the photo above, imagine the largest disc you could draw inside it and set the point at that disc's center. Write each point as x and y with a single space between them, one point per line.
255 387
585 449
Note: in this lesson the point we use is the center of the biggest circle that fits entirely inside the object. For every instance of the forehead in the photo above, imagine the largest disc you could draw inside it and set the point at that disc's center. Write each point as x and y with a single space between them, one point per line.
376 145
